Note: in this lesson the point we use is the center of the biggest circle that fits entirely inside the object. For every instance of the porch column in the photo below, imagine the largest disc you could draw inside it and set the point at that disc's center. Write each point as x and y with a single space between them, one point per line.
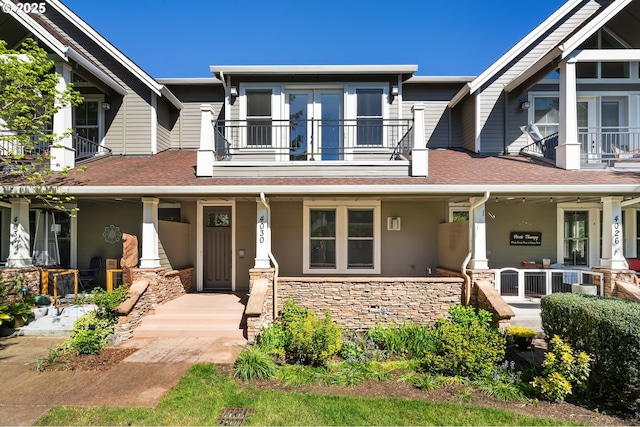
612 234
419 152
62 153
206 152
263 236
19 238
568 150
150 257
479 259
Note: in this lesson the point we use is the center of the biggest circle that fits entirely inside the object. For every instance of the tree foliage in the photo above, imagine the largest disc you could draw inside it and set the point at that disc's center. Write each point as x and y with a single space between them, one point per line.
29 98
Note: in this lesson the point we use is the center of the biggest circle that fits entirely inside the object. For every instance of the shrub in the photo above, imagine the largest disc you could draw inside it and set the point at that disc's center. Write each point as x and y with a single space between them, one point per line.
466 344
273 340
608 329
519 331
313 341
562 370
504 383
107 301
90 333
408 340
253 363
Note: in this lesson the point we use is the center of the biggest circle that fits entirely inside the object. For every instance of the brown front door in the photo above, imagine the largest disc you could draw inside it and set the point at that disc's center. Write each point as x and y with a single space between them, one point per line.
217 248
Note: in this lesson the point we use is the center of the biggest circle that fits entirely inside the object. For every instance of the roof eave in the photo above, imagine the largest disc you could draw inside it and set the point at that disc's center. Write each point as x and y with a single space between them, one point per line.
312 69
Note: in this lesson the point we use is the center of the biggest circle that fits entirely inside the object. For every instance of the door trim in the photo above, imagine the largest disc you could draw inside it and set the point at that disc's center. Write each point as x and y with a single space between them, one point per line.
200 240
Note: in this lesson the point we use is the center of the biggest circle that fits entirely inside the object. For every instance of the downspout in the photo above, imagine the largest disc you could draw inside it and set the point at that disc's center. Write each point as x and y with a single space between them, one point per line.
263 199
463 270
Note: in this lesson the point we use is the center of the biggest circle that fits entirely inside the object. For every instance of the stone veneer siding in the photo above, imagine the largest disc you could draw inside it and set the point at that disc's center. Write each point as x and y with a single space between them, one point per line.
363 302
610 277
31 281
164 286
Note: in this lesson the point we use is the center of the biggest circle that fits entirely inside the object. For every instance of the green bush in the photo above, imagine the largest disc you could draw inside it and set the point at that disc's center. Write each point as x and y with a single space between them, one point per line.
313 341
273 340
253 363
90 333
408 340
562 370
466 344
608 329
107 301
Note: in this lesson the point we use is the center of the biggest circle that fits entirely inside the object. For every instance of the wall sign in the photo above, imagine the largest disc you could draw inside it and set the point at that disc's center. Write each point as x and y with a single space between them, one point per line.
525 238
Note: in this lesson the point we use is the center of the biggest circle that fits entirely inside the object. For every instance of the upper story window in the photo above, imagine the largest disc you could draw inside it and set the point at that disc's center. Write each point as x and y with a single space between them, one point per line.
603 39
546 114
369 116
259 131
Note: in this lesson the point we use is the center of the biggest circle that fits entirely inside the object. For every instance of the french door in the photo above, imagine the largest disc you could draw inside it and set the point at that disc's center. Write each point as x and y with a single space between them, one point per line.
602 125
315 124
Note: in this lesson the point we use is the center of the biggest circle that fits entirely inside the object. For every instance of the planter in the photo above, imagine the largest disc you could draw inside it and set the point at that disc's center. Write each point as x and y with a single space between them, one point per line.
584 289
39 312
522 343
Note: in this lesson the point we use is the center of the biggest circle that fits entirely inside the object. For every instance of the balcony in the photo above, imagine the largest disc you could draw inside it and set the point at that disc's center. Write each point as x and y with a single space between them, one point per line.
23 149
266 147
610 147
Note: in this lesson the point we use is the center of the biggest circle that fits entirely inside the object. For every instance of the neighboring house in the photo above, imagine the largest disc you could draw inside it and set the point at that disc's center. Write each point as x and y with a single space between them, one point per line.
352 171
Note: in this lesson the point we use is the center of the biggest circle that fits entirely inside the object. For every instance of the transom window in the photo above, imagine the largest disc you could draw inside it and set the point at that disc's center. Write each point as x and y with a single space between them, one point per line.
603 39
342 238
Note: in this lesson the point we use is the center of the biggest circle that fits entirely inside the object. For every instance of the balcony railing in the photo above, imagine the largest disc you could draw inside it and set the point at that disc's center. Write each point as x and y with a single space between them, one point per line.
517 283
35 145
302 140
609 145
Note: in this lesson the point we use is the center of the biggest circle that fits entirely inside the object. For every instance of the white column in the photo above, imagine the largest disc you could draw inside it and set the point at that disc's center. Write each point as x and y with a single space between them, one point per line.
19 238
150 257
479 259
63 154
206 152
568 151
612 233
419 152
263 233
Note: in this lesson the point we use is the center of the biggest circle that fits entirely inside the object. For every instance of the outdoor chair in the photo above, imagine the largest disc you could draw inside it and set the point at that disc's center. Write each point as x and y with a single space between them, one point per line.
90 274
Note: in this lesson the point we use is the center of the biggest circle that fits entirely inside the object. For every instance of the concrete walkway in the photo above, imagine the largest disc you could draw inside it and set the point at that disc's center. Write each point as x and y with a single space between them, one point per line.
140 380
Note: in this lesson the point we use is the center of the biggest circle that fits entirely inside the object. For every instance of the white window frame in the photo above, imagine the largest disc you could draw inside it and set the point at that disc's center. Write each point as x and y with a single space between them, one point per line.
595 232
342 209
351 114
458 207
277 106
101 127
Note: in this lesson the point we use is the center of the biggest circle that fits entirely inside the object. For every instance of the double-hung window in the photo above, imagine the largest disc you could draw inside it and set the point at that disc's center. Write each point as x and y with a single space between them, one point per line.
369 117
342 238
259 118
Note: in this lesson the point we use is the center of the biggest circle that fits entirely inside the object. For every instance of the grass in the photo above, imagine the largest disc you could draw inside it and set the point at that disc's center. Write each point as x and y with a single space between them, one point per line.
202 394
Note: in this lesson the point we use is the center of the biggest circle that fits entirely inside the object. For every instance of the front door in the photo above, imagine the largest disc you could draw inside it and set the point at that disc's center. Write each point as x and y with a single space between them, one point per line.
217 249
315 124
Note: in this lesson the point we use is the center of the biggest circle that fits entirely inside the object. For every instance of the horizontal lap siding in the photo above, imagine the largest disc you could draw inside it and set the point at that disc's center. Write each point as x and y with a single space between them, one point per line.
165 123
129 130
492 109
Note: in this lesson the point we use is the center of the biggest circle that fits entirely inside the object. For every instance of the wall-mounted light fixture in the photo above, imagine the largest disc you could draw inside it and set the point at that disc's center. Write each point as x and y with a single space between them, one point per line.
233 91
524 105
106 106
394 91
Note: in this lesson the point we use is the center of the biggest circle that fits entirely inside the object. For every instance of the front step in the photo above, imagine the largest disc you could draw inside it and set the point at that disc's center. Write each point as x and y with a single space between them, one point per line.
196 315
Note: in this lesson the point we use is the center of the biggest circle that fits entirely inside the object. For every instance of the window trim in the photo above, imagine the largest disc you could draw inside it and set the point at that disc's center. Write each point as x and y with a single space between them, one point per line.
458 207
341 207
595 232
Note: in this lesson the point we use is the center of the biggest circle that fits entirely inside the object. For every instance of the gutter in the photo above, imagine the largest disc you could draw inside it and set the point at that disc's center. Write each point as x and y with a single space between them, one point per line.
463 268
263 199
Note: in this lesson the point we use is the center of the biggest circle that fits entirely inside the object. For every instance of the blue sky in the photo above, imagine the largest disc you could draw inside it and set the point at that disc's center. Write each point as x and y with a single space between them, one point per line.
182 38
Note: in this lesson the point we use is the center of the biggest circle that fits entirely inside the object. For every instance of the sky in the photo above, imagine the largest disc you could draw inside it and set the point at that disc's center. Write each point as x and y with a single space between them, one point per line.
182 38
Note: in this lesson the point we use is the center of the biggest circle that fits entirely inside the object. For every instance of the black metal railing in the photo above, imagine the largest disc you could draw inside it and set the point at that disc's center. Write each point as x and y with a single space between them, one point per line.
299 140
543 149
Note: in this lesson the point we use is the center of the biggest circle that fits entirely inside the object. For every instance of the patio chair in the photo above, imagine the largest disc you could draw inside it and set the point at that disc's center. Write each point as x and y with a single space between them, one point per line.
90 274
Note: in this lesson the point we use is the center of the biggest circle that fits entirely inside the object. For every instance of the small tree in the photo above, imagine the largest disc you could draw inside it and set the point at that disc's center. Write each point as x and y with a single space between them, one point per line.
29 98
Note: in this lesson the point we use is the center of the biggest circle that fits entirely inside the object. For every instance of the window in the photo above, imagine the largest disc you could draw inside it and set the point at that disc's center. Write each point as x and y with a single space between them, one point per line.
576 237
369 117
342 238
546 114
603 39
459 212
259 118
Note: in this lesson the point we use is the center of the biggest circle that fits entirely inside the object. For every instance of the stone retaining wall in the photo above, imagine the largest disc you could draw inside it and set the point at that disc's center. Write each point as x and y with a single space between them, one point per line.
610 278
363 302
30 280
164 286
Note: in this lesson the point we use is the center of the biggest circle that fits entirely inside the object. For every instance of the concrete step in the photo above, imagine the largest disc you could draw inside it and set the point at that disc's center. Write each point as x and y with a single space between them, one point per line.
194 315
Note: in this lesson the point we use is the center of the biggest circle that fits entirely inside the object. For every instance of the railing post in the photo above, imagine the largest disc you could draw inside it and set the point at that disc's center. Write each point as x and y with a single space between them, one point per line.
206 152
419 152
62 152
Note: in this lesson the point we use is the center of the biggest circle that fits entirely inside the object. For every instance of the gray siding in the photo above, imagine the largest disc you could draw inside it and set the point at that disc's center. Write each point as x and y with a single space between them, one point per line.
165 124
467 123
492 107
128 127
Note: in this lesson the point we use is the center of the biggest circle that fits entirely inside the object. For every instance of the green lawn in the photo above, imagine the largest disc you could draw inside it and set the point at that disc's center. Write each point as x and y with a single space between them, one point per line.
202 394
